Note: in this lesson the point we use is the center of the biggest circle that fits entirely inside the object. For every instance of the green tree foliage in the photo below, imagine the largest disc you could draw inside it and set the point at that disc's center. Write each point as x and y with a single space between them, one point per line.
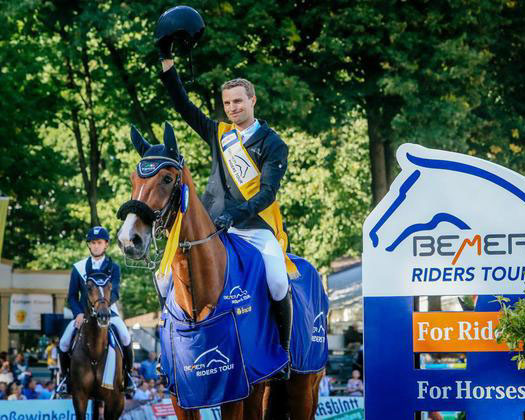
343 82
32 174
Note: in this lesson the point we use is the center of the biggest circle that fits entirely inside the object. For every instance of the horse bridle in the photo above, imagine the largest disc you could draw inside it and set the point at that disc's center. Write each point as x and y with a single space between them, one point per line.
159 220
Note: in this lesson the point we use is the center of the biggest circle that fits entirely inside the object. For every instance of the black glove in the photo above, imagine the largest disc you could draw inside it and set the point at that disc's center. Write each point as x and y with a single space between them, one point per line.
224 221
165 45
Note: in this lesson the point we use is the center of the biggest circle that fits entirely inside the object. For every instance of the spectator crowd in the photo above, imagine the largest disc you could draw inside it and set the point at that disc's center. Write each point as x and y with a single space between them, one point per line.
17 381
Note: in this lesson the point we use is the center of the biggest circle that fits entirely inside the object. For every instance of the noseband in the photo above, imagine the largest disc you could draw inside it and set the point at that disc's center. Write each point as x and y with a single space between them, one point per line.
160 217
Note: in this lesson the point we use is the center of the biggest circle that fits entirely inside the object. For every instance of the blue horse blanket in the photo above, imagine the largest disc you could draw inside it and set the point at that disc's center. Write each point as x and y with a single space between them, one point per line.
216 360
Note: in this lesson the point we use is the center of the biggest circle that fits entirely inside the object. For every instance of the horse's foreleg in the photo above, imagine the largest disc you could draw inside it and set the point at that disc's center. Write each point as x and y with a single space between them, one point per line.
302 393
114 406
232 411
183 414
97 404
315 392
276 400
253 405
80 403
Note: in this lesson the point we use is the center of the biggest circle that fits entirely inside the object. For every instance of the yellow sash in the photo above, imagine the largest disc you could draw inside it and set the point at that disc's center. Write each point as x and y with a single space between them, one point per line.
171 249
247 177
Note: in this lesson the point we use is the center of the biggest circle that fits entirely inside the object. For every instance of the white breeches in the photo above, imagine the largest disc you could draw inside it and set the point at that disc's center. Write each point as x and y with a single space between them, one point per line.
273 257
122 331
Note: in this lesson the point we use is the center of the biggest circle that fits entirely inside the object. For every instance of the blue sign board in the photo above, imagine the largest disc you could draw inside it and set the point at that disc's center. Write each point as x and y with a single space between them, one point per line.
451 225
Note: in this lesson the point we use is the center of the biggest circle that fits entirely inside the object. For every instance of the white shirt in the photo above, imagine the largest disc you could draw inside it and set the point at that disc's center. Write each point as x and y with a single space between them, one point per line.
140 394
250 131
96 264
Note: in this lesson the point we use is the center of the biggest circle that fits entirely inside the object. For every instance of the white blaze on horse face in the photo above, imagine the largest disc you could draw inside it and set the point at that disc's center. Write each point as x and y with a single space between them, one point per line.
127 230
140 193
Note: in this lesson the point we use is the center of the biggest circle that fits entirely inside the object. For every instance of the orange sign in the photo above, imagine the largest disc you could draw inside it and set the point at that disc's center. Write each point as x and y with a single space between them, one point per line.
455 332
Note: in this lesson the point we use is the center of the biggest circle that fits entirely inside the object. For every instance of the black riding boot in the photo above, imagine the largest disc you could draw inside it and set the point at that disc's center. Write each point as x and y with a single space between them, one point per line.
128 367
284 316
65 363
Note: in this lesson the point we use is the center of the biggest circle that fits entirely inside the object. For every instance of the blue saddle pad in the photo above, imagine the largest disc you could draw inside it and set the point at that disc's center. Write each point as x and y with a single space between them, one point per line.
242 329
309 345
207 361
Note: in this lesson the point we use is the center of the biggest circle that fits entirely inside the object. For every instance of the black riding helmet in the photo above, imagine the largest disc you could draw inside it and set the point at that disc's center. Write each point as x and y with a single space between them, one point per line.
182 24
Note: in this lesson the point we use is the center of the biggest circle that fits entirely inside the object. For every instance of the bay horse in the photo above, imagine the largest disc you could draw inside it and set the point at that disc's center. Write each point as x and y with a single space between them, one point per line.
198 273
89 356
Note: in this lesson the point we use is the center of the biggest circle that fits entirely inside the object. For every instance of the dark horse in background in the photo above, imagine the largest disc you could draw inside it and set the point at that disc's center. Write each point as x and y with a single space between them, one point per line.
89 356
198 275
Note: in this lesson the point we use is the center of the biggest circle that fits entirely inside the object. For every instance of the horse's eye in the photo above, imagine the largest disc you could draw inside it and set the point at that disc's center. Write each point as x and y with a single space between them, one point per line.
167 179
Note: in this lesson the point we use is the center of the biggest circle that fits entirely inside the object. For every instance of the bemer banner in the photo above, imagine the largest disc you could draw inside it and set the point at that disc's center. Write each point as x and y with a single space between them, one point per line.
450 225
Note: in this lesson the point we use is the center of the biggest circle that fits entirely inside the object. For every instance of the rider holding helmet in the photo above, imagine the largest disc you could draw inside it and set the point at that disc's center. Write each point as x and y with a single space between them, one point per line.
97 241
249 160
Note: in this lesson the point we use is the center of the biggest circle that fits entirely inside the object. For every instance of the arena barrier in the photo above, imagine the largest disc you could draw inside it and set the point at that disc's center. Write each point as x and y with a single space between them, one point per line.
348 408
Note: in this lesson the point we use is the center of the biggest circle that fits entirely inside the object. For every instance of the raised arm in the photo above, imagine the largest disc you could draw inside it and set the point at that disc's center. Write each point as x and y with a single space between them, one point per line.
196 119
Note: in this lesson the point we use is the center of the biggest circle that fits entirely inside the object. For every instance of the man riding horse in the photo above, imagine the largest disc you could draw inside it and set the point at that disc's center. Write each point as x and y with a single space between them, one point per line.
249 160
97 242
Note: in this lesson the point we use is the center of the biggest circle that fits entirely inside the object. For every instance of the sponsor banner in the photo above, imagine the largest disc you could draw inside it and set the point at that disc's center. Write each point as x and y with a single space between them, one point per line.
455 332
40 410
348 408
450 225
440 230
25 311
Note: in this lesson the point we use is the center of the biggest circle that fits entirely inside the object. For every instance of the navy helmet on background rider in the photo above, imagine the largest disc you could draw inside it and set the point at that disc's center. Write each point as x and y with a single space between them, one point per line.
97 232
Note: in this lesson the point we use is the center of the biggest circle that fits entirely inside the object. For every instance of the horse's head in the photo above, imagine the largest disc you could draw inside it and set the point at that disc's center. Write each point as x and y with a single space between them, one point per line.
155 194
99 295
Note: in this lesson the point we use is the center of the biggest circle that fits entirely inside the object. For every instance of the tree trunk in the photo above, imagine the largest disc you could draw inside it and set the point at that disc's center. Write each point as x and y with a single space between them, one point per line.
94 142
376 145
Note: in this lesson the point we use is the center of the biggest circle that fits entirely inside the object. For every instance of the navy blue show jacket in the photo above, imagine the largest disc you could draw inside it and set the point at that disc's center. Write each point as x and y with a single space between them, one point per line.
77 295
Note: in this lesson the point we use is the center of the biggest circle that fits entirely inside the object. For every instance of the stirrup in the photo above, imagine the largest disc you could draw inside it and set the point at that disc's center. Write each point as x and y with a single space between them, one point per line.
284 374
62 388
129 385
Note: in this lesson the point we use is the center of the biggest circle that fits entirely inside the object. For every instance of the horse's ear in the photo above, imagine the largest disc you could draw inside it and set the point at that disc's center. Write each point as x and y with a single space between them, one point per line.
170 141
141 145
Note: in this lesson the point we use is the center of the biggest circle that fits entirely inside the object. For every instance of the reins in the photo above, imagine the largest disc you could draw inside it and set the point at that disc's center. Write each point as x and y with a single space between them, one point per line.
186 247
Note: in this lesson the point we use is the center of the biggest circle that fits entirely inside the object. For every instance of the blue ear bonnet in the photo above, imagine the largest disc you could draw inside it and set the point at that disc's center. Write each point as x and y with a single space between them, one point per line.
150 166
158 156
99 278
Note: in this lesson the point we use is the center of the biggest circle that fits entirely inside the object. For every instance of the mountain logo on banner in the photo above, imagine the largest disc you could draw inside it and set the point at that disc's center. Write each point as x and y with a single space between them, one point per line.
237 295
448 219
319 330
210 362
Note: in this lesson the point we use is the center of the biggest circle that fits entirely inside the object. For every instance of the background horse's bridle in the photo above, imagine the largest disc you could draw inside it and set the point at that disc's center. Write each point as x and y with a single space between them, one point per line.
92 306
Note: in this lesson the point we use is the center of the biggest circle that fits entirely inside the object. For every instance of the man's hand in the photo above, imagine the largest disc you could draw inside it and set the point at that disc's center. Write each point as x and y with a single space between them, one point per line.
79 320
165 45
167 64
224 221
